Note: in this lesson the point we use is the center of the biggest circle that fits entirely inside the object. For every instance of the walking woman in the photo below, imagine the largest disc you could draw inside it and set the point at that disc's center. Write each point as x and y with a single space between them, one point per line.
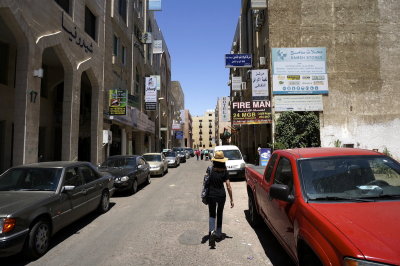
218 175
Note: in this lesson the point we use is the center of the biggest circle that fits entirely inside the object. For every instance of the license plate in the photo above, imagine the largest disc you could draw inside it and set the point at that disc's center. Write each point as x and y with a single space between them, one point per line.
232 173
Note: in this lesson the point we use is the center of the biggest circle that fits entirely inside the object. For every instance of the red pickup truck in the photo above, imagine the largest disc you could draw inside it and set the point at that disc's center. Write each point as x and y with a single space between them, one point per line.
330 206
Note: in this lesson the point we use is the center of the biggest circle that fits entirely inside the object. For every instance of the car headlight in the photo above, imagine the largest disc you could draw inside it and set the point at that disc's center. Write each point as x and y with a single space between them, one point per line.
124 178
242 165
354 262
7 224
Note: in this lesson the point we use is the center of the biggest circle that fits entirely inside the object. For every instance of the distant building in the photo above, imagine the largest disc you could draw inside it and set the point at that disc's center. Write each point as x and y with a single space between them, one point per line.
204 130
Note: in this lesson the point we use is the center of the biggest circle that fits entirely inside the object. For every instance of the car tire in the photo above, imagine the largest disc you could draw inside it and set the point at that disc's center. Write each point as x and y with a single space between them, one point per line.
134 187
254 217
104 204
38 240
148 181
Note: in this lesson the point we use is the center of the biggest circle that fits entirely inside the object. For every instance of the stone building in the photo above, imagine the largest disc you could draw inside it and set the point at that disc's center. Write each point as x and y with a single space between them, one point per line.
58 62
51 81
204 130
361 39
177 114
188 129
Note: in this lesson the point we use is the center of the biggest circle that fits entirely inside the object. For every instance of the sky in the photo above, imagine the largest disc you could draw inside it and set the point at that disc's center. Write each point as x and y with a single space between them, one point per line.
198 34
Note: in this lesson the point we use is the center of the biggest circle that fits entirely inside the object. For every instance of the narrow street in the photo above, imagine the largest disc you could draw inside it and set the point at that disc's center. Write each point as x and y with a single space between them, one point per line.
165 223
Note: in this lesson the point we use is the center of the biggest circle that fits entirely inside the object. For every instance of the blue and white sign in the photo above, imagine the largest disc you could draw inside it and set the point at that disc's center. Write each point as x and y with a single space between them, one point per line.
238 60
155 5
298 61
265 155
179 134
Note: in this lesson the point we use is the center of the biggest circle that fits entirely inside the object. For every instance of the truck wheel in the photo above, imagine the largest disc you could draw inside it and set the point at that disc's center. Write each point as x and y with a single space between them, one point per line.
308 257
254 217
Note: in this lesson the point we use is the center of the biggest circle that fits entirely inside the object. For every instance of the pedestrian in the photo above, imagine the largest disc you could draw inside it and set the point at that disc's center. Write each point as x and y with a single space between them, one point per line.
206 154
218 175
202 154
197 152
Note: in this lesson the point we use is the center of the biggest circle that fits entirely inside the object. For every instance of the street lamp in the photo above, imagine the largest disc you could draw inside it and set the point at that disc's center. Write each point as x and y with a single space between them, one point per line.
159 123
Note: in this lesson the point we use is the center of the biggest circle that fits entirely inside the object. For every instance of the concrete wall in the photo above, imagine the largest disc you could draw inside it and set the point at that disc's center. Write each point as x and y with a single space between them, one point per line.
363 52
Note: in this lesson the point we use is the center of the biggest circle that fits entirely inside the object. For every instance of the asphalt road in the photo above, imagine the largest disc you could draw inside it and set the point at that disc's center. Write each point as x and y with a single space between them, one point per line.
165 223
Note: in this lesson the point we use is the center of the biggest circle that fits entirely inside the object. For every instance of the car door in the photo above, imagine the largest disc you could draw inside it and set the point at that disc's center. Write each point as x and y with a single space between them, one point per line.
165 161
141 171
281 213
262 187
93 186
77 196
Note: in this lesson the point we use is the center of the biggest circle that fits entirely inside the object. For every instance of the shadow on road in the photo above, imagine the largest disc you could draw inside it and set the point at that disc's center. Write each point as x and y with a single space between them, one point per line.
60 236
272 248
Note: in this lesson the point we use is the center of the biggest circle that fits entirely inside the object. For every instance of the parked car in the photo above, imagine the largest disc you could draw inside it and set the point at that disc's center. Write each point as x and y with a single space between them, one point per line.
129 171
173 159
187 154
37 200
235 164
330 206
158 163
191 151
182 156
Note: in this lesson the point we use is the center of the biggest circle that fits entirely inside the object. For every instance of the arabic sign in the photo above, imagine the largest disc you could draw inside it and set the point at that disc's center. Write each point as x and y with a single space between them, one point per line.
179 134
251 112
259 81
297 61
157 47
298 103
147 38
118 100
150 97
265 155
236 83
73 35
238 60
155 5
300 84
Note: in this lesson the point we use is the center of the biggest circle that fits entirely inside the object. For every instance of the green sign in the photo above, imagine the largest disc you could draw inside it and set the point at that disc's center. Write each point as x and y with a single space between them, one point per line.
118 100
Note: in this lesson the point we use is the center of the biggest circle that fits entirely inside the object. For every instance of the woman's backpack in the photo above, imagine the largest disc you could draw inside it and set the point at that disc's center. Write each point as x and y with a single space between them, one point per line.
206 187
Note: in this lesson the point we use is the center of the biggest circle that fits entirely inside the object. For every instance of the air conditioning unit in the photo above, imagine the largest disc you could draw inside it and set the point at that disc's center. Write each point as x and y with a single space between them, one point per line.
262 61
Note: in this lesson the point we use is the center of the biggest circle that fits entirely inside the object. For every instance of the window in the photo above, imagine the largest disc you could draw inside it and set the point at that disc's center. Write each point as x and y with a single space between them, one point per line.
87 173
4 55
72 178
200 121
284 175
90 23
64 4
122 9
137 82
210 145
115 46
270 168
209 114
123 55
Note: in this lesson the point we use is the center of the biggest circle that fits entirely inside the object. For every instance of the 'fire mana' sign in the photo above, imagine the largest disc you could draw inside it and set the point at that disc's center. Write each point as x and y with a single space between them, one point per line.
251 112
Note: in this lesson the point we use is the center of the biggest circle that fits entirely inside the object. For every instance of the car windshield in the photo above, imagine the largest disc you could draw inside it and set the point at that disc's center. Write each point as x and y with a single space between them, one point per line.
170 154
152 157
350 178
33 179
119 163
232 154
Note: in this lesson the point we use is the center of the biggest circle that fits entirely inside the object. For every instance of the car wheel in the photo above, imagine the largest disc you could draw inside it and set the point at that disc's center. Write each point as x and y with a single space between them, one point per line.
134 186
148 181
254 217
38 241
104 202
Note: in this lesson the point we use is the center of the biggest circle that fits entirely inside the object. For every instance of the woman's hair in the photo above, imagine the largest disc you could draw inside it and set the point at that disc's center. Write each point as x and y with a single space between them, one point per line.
219 165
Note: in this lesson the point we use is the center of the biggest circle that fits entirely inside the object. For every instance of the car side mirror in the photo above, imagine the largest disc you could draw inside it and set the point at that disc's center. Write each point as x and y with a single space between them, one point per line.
140 166
281 192
68 188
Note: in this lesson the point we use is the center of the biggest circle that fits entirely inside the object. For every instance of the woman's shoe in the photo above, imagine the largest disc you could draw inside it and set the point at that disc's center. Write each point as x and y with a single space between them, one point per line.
211 240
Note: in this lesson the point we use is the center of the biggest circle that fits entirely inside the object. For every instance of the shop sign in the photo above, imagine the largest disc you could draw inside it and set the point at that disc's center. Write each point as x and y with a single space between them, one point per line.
259 84
258 4
238 60
157 47
298 103
300 84
179 134
251 112
236 83
118 100
265 155
225 111
176 126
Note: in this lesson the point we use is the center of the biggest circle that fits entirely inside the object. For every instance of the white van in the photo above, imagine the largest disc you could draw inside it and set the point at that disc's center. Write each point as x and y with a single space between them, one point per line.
235 164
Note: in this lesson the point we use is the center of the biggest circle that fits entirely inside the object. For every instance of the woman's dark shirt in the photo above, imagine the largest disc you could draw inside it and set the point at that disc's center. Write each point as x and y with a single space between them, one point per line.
216 180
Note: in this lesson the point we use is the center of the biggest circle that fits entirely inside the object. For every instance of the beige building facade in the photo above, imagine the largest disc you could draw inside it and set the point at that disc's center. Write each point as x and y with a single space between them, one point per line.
58 62
204 130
